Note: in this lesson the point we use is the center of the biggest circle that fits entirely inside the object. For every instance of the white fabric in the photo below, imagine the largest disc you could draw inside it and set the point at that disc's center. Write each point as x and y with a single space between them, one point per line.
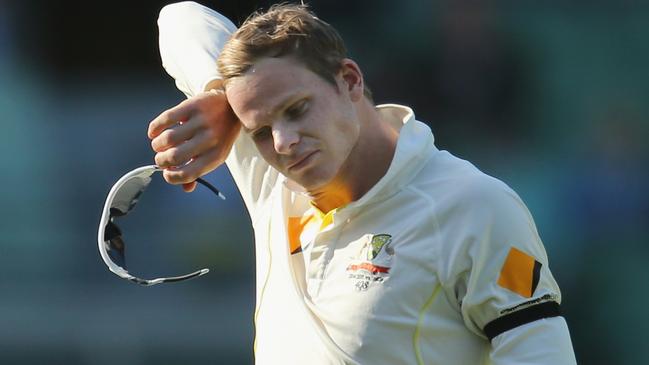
546 341
451 227
185 29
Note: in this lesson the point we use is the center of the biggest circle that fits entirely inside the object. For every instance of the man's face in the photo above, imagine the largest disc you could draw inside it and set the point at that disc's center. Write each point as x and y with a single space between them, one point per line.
301 124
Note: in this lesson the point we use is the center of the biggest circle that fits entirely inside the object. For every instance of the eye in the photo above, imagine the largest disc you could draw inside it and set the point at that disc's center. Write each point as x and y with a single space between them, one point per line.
298 109
261 134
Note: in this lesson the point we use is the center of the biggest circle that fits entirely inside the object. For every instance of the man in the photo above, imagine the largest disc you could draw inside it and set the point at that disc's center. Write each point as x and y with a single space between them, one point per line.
373 247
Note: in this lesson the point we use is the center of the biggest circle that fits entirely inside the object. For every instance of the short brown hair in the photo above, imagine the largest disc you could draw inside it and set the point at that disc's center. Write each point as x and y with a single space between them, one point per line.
285 30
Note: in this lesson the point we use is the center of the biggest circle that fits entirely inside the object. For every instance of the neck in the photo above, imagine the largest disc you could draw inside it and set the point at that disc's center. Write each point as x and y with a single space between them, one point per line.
367 163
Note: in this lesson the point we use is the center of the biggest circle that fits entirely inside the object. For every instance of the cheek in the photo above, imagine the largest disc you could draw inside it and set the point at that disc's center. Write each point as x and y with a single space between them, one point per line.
348 130
267 151
342 117
347 114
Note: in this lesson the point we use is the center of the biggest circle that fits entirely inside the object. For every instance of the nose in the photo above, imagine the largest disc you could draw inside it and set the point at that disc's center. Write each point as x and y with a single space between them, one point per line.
285 138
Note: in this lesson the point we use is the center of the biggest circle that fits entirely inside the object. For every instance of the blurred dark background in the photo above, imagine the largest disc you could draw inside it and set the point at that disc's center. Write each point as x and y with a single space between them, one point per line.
551 98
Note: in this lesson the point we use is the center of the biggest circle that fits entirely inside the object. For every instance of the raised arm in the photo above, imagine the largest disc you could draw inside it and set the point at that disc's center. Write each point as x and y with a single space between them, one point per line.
196 136
199 134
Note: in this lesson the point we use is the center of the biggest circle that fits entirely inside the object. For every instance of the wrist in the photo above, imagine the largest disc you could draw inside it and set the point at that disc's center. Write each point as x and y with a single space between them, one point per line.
213 84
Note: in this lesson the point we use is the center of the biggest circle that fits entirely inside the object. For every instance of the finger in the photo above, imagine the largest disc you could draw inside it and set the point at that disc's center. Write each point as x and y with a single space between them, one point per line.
181 154
176 135
189 187
180 113
193 170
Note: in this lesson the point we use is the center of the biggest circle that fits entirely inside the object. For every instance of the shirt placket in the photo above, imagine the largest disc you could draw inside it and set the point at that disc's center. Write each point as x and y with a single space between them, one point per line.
320 254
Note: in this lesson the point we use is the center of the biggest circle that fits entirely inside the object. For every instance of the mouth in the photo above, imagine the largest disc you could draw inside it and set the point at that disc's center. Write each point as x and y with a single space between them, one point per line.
301 161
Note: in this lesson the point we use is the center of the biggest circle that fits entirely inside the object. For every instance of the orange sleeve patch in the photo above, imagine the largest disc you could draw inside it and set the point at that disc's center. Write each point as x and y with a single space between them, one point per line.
520 273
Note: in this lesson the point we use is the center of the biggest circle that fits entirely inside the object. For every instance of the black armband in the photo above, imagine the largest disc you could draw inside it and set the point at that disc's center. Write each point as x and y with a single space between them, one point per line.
521 317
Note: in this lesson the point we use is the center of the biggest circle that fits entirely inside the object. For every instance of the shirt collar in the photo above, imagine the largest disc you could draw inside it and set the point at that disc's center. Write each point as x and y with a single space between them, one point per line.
414 146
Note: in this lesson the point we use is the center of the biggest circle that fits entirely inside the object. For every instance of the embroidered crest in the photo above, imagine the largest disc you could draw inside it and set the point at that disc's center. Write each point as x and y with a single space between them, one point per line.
378 242
372 265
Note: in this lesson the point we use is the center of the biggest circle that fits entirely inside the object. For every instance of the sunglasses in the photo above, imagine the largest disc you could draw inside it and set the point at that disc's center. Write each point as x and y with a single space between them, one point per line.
122 198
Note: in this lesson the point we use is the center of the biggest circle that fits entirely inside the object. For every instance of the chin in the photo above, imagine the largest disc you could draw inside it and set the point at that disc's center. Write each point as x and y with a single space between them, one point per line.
312 183
309 185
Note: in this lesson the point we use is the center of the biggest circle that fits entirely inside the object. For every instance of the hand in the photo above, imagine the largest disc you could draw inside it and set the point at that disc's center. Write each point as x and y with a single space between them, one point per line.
194 137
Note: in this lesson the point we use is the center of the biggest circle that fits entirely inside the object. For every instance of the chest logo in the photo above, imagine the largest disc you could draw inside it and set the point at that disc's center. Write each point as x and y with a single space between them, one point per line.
373 263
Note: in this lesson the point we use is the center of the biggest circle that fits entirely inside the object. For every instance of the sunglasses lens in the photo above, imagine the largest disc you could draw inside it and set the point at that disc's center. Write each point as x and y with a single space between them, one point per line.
125 200
128 195
114 244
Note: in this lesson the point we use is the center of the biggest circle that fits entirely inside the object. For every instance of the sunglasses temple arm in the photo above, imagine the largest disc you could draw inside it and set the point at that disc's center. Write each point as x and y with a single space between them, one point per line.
150 282
211 187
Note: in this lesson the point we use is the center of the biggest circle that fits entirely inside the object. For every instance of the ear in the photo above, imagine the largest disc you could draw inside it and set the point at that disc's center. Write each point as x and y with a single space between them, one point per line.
352 79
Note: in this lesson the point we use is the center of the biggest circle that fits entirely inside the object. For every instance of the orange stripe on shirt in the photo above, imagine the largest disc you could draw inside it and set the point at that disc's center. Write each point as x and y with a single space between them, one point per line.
295 227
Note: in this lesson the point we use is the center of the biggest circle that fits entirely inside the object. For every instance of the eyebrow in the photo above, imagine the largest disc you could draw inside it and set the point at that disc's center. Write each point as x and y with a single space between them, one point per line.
291 99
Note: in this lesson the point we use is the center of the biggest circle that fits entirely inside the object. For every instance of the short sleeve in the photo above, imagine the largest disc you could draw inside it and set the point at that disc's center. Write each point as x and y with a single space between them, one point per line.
494 265
191 37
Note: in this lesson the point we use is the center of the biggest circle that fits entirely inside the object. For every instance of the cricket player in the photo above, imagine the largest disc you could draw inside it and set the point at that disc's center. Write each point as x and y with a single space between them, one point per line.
372 246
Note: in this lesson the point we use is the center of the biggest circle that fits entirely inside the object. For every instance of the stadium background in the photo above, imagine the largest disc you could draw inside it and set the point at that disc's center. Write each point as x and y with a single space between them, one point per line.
551 98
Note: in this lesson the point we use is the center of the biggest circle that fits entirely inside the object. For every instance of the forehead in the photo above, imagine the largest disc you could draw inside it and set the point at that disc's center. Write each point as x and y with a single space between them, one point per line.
269 83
